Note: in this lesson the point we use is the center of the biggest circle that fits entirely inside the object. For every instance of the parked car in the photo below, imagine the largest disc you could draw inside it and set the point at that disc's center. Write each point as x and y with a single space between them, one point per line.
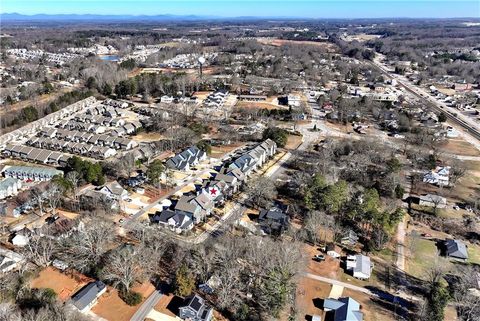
319 258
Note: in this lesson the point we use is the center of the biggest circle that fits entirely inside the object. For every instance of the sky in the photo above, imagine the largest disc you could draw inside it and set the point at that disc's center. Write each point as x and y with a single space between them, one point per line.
262 8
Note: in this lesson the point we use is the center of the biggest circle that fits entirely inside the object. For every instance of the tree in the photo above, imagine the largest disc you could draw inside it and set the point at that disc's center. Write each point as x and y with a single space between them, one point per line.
40 250
442 117
335 196
107 89
278 135
184 281
91 83
261 192
154 171
84 248
205 146
74 178
123 267
437 300
394 165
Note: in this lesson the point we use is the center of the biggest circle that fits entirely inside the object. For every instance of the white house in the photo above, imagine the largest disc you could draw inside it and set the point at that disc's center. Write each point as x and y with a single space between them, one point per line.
9 187
439 176
360 266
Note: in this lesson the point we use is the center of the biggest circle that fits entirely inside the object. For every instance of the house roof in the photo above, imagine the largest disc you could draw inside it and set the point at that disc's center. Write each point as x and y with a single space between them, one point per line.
456 249
363 265
185 205
87 294
346 309
197 305
274 214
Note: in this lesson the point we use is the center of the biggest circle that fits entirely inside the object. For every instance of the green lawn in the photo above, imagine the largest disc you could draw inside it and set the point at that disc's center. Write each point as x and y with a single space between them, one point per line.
424 256
473 254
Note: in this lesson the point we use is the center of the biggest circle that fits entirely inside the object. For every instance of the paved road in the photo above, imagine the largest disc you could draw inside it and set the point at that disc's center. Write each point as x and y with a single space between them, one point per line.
339 283
147 306
128 221
471 126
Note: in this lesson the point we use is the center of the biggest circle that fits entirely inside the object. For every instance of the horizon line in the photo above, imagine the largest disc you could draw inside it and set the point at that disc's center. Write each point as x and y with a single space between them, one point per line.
228 17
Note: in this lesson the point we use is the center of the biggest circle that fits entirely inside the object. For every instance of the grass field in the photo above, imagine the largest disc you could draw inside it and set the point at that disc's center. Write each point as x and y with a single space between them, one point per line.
423 257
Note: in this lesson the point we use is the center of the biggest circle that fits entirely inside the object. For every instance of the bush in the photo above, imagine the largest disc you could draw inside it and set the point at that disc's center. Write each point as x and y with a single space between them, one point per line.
278 135
131 297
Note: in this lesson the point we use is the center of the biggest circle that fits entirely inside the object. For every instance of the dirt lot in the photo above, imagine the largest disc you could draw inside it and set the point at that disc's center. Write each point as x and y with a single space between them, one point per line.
280 42
167 304
259 105
372 311
293 141
220 151
111 307
64 285
459 146
147 137
329 268
309 296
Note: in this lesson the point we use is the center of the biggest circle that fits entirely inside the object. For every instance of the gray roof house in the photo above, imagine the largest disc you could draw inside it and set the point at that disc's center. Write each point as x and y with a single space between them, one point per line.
177 221
456 249
195 310
87 297
189 157
360 266
273 220
431 200
349 238
343 309
197 207
114 191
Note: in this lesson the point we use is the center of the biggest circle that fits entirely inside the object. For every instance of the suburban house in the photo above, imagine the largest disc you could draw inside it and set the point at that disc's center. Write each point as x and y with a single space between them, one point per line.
456 249
195 310
87 297
350 238
189 157
343 309
9 187
9 260
273 221
333 250
360 266
439 176
176 221
196 207
431 200
114 191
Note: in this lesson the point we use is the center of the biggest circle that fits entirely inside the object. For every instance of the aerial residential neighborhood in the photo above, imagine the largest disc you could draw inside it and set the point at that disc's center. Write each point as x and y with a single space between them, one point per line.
240 160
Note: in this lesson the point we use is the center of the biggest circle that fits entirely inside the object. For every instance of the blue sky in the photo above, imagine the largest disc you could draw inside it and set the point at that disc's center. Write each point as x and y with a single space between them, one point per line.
263 8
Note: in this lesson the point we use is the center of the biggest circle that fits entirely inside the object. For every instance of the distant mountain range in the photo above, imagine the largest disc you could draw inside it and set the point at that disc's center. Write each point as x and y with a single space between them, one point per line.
17 17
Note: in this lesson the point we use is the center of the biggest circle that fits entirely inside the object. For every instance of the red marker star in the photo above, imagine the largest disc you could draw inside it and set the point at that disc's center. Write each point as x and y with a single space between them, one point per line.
213 191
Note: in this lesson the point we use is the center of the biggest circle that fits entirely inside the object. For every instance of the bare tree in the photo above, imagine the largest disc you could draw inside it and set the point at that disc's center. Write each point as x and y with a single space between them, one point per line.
86 246
123 267
261 192
55 192
74 178
40 250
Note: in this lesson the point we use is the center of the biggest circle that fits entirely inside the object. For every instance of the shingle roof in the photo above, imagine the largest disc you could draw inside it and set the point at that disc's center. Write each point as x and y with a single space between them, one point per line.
87 294
456 249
